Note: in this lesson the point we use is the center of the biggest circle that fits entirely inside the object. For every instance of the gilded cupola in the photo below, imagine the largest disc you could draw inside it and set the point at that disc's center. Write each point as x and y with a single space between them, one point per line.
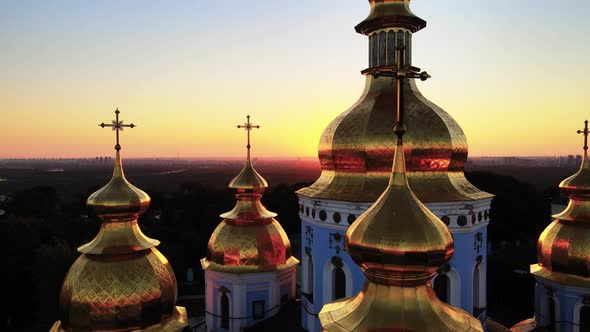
356 149
120 282
563 250
248 239
399 245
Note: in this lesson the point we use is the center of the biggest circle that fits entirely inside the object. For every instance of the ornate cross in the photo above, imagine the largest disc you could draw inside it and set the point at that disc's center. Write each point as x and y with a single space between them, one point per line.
585 132
248 127
117 125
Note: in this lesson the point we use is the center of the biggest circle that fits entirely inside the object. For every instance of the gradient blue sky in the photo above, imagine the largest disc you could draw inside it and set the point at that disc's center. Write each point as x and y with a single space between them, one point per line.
514 74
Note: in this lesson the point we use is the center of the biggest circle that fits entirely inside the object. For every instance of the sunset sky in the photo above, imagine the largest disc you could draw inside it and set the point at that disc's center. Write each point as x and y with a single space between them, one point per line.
514 74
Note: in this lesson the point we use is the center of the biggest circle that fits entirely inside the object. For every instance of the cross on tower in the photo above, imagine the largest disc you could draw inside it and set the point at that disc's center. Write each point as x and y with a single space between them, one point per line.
585 132
117 125
248 127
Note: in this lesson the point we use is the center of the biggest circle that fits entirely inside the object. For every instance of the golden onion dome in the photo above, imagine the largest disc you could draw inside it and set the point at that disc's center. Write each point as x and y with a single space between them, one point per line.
563 250
121 282
356 149
248 179
118 198
398 240
248 239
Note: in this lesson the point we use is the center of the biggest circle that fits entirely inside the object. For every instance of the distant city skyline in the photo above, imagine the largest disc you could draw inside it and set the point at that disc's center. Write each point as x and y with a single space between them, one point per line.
513 74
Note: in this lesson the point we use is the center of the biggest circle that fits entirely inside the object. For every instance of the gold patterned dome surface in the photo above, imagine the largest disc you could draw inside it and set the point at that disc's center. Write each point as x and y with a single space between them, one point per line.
113 293
563 249
121 282
398 240
248 239
356 149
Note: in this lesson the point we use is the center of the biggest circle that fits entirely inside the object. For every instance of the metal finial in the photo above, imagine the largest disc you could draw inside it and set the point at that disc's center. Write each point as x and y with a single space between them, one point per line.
248 127
585 133
117 126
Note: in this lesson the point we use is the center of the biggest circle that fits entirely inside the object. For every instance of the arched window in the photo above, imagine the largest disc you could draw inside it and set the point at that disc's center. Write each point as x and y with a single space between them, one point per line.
477 288
585 318
224 311
308 292
441 287
339 284
382 48
551 308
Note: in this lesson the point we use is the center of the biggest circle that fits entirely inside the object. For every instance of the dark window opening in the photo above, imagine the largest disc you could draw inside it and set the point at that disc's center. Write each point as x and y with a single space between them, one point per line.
462 221
323 215
441 287
585 318
339 284
446 220
351 218
224 311
258 309
336 217
551 313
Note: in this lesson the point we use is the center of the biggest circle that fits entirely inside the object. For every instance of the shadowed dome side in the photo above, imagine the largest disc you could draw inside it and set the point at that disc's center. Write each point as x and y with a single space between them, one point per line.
356 149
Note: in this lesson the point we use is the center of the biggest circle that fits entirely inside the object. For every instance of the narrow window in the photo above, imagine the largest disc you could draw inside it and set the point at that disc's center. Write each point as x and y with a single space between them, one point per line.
339 284
585 318
382 48
258 309
551 313
224 311
391 48
441 287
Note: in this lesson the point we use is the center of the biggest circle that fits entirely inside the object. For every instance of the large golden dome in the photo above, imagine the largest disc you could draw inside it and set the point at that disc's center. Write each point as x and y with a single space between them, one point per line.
563 250
356 149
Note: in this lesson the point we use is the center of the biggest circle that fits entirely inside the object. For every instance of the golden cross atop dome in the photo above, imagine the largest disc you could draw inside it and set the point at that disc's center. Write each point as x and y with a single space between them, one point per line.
117 125
585 132
248 127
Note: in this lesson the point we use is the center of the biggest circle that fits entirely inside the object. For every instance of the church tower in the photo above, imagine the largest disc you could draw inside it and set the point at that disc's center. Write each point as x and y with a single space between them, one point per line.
356 153
562 292
249 268
399 245
121 282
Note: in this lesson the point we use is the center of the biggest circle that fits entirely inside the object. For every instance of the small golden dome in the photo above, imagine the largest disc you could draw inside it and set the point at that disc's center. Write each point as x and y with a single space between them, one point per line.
248 239
121 282
563 250
356 150
248 179
118 199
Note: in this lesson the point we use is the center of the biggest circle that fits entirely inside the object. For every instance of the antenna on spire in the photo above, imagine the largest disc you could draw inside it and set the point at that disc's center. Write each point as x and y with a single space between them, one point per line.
248 127
117 126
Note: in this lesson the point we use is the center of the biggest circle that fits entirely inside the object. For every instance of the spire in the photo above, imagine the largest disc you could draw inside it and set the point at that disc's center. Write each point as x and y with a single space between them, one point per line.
577 186
121 282
399 245
248 179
